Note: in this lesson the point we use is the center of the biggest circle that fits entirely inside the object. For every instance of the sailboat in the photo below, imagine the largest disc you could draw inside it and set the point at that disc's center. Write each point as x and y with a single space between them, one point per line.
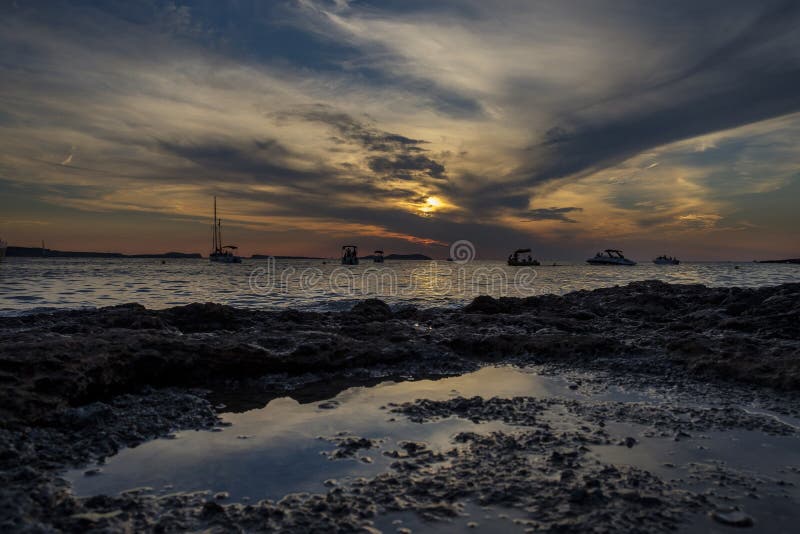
349 255
220 253
3 247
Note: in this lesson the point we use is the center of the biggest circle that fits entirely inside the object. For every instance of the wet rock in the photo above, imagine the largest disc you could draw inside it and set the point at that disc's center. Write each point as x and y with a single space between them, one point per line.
207 317
348 446
211 509
77 386
680 435
485 304
372 310
747 335
733 518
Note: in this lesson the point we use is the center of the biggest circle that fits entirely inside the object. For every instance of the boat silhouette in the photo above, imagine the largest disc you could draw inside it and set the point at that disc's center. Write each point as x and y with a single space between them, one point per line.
612 256
221 253
515 261
349 255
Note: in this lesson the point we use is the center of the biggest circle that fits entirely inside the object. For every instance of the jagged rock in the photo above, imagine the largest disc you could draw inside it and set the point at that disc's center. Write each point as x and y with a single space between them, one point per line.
372 309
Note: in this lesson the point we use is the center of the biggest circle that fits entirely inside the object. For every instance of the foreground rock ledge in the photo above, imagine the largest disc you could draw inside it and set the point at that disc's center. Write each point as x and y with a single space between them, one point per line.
77 386
49 362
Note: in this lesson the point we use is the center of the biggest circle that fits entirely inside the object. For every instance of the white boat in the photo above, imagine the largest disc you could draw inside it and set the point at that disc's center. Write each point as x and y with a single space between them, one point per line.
666 260
3 247
221 253
349 255
610 257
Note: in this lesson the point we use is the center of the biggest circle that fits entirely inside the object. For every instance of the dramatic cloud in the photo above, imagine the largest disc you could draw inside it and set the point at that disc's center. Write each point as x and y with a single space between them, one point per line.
356 131
553 214
410 124
406 166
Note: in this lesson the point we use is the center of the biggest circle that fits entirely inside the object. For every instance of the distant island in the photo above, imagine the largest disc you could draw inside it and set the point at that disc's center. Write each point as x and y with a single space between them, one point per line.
267 256
38 252
418 257
793 260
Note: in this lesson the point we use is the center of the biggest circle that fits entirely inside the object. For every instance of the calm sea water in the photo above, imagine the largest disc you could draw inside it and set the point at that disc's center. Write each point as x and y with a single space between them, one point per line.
28 285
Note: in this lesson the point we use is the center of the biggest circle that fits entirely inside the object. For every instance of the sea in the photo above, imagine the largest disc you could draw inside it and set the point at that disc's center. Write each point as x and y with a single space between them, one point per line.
30 285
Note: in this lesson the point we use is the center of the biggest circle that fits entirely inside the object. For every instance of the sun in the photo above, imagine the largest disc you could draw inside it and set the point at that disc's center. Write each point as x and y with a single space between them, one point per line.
433 203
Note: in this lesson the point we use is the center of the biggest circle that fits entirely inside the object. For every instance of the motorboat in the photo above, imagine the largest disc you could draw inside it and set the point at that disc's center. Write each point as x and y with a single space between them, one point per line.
610 257
666 260
349 255
516 261
378 257
221 253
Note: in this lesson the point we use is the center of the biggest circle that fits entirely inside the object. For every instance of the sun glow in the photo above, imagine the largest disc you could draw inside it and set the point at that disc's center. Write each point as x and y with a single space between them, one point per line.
431 205
433 202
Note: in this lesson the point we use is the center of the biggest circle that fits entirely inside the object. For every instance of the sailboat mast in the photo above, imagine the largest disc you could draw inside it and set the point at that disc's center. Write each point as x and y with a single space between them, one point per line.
215 246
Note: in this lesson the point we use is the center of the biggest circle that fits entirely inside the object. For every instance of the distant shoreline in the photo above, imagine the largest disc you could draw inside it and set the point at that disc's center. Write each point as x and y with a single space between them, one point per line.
793 260
36 252
267 256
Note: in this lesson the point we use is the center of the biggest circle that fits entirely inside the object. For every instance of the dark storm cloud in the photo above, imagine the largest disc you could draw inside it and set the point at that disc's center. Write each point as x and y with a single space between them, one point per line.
356 131
402 157
753 76
406 166
317 192
553 214
260 160
758 97
776 21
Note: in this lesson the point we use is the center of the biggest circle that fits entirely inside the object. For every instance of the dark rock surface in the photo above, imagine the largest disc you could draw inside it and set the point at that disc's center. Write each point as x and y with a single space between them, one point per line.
31 495
52 361
76 386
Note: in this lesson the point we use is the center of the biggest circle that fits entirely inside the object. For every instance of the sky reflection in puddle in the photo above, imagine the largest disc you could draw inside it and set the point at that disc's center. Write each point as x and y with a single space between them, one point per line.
276 450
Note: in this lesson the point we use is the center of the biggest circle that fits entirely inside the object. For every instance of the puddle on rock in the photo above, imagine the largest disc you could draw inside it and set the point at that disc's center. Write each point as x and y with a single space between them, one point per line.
287 447
741 469
276 450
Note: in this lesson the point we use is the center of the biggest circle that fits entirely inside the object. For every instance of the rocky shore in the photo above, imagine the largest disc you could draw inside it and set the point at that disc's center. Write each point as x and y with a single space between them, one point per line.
76 386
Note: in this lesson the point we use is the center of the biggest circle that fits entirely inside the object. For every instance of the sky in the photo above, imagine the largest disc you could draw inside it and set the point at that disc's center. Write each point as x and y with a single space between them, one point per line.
565 126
